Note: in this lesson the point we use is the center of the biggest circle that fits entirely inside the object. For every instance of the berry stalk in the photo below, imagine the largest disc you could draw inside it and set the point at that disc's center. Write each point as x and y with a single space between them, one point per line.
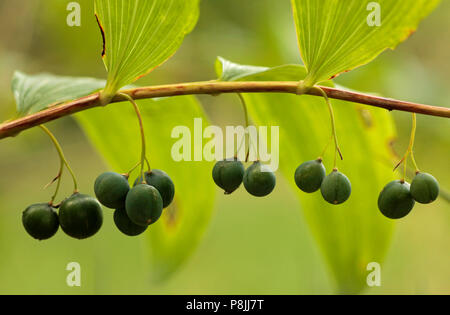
141 127
63 161
247 123
337 149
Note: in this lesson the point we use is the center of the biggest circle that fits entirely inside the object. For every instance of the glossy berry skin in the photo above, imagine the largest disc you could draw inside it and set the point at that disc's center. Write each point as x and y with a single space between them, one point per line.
144 205
80 216
111 189
162 182
310 175
395 200
336 188
125 225
259 180
228 175
40 221
424 188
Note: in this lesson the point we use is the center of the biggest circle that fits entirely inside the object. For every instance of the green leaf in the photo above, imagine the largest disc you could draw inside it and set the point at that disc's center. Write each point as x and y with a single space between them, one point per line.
34 93
335 36
114 131
355 233
141 35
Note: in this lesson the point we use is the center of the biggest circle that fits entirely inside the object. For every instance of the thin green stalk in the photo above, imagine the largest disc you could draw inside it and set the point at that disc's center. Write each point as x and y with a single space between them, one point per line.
333 124
63 162
148 165
141 126
247 123
132 170
409 152
326 147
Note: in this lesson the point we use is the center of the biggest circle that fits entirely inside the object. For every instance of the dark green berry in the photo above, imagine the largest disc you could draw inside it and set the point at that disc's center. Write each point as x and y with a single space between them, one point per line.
424 188
395 200
111 189
310 175
162 182
259 180
144 204
228 175
80 216
40 221
125 225
336 188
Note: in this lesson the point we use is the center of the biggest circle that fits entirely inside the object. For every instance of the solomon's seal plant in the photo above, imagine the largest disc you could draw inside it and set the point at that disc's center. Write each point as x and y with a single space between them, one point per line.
134 44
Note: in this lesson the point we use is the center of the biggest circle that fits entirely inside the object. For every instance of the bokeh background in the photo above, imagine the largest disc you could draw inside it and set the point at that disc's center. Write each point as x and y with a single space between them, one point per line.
252 246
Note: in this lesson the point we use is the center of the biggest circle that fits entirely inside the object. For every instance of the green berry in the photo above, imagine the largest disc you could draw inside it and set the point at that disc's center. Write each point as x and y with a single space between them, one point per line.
310 175
259 180
125 225
80 216
336 188
162 182
228 175
111 189
424 188
144 204
395 200
40 221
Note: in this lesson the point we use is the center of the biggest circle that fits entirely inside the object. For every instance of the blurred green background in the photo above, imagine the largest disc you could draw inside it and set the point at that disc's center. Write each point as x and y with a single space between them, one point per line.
253 246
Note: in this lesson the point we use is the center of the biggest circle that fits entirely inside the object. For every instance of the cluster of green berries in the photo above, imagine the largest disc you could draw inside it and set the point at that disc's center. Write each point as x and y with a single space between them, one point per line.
258 179
139 207
312 176
398 198
80 216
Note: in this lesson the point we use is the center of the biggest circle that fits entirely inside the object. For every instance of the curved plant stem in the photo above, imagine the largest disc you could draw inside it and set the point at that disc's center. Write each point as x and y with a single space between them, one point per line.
337 149
132 170
148 165
14 127
410 151
247 123
326 147
141 126
58 182
63 161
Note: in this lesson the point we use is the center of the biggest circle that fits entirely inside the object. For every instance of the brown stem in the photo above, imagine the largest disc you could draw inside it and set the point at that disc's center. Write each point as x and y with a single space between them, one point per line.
12 128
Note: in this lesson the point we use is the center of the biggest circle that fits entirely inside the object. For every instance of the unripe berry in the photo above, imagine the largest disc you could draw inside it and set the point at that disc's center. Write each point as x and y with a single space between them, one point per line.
424 188
40 221
395 200
162 182
228 175
111 189
144 205
310 175
125 225
259 180
336 188
80 216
